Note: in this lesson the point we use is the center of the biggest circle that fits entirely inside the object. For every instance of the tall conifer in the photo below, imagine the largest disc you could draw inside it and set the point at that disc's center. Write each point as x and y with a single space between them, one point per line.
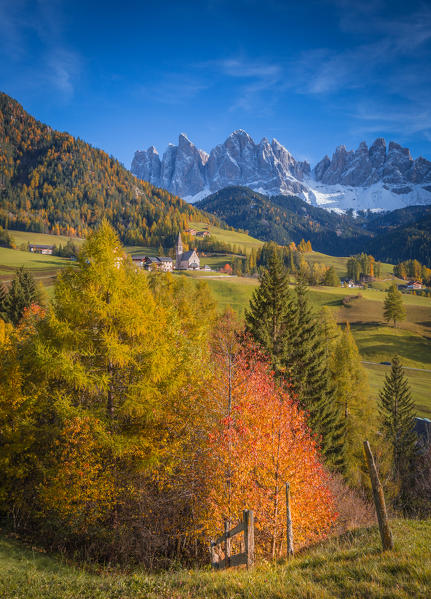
268 318
22 294
396 409
3 302
288 330
307 365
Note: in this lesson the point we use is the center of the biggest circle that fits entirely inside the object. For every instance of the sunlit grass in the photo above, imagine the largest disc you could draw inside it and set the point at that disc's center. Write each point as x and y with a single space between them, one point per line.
351 567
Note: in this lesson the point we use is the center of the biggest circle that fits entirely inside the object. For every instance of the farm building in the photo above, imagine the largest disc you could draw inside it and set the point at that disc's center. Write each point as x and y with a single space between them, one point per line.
414 285
154 262
41 249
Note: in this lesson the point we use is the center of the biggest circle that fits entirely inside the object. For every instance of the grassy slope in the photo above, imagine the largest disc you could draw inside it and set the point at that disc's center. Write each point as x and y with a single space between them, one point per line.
235 238
351 566
42 238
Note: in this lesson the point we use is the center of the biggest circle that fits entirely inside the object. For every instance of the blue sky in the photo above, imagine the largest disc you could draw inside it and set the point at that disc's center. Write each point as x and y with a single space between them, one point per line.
313 74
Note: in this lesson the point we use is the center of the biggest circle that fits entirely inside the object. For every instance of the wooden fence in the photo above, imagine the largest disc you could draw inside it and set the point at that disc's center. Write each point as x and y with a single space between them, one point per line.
244 558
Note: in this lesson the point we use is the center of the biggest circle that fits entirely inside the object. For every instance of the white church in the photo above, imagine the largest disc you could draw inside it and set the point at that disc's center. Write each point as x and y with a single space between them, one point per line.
186 260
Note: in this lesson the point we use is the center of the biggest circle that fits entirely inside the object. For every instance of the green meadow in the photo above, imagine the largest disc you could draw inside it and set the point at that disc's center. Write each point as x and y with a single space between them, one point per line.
351 567
243 240
42 238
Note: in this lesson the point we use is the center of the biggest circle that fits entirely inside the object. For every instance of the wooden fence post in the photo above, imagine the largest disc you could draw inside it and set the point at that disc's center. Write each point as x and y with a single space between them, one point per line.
249 537
227 543
213 554
289 532
379 500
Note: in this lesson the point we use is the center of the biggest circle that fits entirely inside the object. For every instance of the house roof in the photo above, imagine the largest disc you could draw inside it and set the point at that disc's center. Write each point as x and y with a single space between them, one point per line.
41 247
152 259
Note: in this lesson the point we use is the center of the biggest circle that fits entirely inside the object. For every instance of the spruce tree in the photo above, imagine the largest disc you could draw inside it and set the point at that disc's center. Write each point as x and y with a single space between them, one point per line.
286 327
307 364
393 308
22 294
268 317
397 419
3 302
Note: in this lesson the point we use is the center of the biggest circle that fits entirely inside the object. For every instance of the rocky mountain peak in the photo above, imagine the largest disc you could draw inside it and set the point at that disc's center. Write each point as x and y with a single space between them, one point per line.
268 167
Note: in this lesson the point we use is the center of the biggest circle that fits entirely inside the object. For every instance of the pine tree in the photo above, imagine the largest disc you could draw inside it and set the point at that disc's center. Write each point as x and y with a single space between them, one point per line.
393 308
396 409
267 319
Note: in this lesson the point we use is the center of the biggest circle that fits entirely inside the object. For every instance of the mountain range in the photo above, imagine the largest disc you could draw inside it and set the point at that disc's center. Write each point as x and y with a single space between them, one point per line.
53 182
379 177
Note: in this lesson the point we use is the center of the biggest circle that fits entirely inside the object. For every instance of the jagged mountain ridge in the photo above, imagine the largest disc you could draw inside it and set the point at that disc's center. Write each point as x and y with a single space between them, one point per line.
377 178
188 172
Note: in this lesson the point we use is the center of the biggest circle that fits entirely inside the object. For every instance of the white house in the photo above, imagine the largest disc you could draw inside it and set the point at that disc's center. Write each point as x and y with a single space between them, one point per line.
41 249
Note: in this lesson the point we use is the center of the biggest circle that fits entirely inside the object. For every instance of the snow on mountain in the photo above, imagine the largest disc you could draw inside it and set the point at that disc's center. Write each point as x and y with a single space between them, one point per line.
375 178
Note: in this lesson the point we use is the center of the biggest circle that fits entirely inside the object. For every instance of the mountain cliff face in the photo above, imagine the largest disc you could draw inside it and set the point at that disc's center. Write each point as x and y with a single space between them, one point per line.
188 172
393 166
376 178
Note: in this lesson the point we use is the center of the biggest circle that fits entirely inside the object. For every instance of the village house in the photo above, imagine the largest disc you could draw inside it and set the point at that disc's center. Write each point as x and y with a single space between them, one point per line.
352 284
202 234
41 249
190 232
163 263
414 285
186 260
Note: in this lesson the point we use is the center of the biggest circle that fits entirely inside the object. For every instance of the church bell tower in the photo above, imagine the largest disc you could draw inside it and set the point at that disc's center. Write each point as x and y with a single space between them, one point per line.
179 251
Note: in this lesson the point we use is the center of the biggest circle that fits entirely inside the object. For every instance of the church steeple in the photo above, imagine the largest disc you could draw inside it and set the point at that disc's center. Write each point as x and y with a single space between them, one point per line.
179 251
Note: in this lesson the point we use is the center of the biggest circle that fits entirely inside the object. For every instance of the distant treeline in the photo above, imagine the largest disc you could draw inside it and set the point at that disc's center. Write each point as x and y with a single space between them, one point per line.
413 269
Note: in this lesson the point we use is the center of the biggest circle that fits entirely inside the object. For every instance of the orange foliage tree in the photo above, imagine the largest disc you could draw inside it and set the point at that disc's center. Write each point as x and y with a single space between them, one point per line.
261 442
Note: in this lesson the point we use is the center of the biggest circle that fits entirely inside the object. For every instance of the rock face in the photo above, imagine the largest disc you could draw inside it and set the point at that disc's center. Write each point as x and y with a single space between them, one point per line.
186 171
368 166
378 177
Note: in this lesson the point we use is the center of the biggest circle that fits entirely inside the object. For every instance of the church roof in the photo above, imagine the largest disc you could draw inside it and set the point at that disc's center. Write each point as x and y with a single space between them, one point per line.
187 255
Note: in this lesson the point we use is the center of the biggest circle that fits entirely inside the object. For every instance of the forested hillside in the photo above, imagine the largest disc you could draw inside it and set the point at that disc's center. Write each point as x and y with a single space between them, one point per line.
52 182
404 241
282 219
392 236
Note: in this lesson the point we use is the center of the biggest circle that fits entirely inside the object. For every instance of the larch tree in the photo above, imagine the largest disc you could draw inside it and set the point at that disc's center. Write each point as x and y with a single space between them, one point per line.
352 396
331 278
103 396
393 307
